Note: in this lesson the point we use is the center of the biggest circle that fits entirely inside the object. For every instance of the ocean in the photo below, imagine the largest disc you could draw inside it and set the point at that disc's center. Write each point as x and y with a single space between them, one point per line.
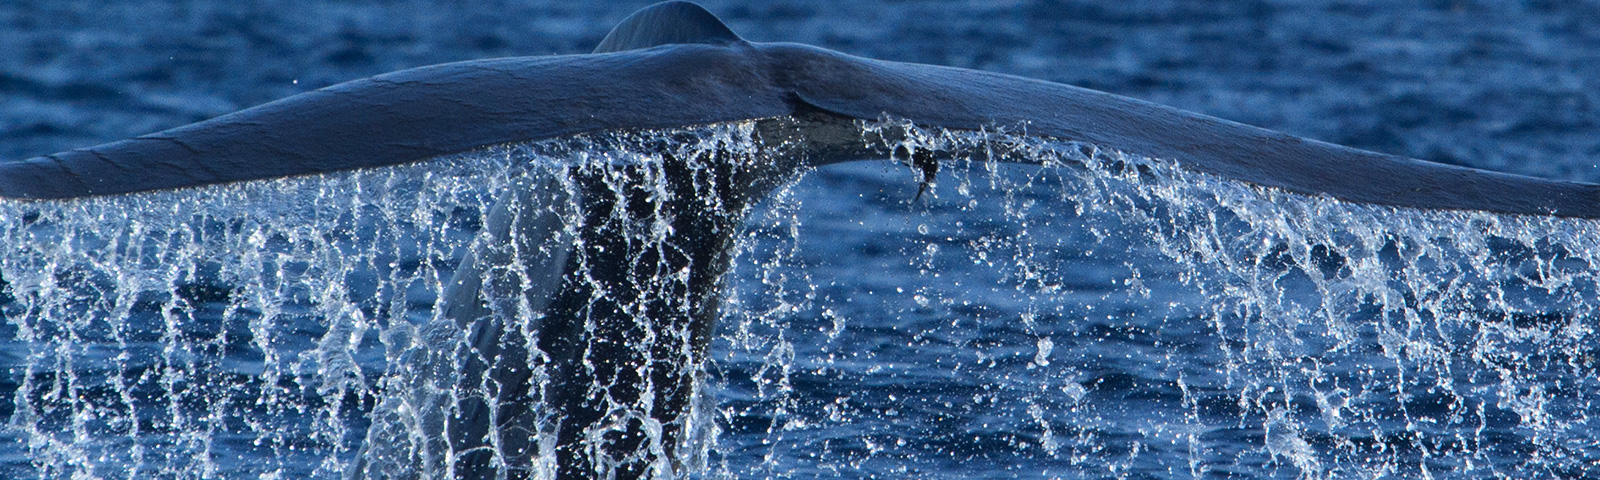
1077 320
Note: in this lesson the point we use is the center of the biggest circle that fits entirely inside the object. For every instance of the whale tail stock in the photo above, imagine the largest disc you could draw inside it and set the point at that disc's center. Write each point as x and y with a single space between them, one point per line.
617 328
667 23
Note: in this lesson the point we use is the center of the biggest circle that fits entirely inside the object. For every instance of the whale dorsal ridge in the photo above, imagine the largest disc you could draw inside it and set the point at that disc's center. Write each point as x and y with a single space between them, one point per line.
667 23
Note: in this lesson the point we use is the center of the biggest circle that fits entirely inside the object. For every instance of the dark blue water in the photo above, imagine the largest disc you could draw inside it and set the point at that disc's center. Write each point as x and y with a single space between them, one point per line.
1026 323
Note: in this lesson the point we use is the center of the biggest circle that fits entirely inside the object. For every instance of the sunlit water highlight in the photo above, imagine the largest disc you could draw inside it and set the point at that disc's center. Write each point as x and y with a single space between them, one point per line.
1098 315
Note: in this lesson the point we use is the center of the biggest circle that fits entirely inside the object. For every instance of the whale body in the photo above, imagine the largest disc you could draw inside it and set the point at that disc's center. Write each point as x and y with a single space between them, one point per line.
586 302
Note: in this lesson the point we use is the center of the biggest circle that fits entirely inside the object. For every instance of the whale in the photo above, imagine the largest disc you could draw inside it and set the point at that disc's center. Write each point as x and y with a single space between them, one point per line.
585 299
697 72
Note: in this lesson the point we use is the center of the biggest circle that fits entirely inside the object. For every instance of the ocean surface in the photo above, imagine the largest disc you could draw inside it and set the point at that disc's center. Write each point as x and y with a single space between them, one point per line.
1068 321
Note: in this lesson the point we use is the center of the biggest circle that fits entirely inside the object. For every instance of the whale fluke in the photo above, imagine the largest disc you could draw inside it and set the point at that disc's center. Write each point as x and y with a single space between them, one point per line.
697 72
667 23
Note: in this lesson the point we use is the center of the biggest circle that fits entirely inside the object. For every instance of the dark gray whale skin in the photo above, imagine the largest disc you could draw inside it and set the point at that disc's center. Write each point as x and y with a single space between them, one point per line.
421 113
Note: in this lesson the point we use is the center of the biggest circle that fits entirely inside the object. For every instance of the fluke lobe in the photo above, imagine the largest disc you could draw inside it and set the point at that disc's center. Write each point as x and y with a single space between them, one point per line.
560 309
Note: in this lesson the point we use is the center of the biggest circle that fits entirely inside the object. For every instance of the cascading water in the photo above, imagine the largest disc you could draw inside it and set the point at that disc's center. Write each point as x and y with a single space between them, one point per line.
1093 315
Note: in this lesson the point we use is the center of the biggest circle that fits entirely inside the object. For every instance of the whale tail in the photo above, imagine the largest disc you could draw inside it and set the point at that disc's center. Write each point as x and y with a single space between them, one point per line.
667 23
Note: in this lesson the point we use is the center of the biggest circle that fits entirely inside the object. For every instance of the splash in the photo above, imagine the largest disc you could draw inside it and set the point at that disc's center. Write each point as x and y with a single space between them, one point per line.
1090 313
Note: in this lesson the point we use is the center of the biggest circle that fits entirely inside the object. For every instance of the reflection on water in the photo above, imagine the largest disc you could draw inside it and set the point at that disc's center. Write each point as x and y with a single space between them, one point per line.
1096 315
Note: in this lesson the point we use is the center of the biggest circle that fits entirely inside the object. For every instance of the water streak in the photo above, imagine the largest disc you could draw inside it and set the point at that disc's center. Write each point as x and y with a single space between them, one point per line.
1094 313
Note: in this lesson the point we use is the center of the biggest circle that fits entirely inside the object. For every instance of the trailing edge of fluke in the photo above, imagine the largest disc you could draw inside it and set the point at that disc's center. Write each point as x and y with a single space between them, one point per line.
674 65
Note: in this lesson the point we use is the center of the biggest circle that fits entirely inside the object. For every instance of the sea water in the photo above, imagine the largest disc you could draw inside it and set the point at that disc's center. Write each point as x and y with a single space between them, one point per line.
1048 309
